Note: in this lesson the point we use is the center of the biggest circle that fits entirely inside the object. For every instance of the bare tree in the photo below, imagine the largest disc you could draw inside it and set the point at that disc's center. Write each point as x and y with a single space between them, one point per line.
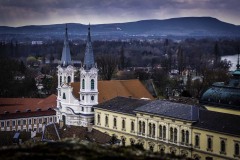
107 65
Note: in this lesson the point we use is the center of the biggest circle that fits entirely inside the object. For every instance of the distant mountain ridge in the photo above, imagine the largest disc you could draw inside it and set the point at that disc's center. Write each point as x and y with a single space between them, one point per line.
186 26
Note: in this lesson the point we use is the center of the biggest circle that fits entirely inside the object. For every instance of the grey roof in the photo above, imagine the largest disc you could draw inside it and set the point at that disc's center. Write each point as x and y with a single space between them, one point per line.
122 104
170 109
66 56
220 122
88 58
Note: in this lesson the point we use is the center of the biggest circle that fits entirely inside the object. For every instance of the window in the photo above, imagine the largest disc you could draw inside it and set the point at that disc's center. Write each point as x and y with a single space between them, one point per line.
69 79
83 98
140 126
13 123
171 134
223 146
114 122
175 135
29 121
92 98
236 149
34 121
150 129
209 144
197 141
19 122
98 119
143 128
8 123
92 109
106 120
82 109
83 84
164 132
40 120
92 84
64 96
187 137
153 130
50 119
160 131
2 124
123 124
24 122
132 126
45 120
60 80
183 136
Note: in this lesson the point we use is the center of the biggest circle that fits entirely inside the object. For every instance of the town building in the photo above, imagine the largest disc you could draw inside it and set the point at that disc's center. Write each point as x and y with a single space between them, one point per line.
168 127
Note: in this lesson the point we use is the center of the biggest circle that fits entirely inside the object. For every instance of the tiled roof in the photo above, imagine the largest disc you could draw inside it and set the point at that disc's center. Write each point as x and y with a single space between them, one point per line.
170 109
113 88
220 122
13 105
27 114
122 104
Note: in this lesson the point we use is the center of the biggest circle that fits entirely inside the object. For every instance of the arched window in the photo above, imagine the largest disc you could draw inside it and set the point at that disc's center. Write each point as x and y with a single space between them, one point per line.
106 120
223 146
69 79
64 96
92 84
236 149
114 122
187 137
98 118
209 143
140 126
164 132
153 130
160 131
83 83
143 128
183 136
92 98
197 141
175 135
150 129
123 124
171 134
132 126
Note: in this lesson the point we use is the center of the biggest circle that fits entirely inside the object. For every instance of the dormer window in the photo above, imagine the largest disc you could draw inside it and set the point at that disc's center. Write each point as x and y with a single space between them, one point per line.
6 112
38 109
28 110
49 109
17 111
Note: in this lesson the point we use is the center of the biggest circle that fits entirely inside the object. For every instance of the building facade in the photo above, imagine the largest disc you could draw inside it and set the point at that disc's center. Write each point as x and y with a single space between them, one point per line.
168 127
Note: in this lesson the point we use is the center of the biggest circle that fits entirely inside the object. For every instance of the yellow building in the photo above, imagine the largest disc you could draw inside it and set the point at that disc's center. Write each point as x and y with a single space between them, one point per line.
168 127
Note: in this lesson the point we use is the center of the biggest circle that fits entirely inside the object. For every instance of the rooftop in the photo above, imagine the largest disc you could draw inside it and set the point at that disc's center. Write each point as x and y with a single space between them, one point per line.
122 104
170 109
113 88
220 122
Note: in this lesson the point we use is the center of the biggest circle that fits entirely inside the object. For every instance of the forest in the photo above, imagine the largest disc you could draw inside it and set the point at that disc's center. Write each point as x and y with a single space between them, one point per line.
166 59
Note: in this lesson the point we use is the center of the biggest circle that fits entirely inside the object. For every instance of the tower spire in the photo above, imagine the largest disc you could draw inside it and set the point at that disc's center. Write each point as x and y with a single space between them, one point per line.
89 58
66 56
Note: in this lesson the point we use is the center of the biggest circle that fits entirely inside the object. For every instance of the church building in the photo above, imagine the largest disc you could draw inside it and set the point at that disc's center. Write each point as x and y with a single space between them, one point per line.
75 100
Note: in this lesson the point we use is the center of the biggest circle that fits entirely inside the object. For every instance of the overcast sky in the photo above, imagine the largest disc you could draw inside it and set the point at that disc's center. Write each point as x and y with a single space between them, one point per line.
36 12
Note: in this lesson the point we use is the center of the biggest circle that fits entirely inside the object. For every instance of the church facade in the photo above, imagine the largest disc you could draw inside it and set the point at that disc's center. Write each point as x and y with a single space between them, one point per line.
73 110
